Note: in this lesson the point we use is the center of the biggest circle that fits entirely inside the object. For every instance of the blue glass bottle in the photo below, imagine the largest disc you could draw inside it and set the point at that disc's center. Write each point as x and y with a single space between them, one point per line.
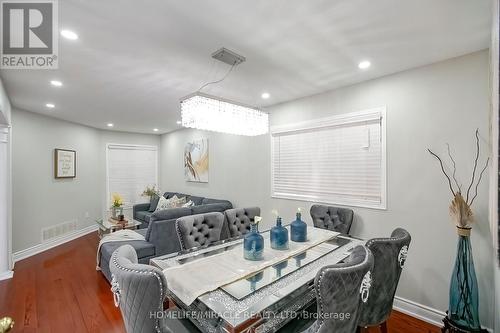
279 236
464 300
298 229
253 244
254 279
279 267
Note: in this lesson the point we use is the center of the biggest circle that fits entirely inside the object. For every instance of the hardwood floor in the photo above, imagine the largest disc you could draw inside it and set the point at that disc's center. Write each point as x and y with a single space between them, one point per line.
60 291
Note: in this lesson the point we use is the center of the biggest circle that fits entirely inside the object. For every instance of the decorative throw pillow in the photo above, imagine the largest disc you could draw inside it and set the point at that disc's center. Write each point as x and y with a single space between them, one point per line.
163 204
180 202
188 204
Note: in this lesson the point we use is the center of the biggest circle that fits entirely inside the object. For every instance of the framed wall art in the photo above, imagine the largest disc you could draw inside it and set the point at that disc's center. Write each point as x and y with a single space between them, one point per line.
64 163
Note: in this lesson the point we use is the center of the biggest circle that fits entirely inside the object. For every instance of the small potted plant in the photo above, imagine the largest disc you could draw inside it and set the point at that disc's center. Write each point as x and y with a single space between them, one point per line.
117 205
151 192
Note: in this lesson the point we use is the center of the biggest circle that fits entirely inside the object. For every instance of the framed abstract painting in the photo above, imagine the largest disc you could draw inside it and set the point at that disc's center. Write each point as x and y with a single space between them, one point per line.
196 161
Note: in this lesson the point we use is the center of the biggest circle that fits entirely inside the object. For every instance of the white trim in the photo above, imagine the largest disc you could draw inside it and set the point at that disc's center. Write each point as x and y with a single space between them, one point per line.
341 119
23 254
372 114
6 275
422 312
419 311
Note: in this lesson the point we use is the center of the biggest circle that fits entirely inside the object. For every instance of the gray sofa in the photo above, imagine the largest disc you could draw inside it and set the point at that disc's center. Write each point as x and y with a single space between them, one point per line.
144 212
160 234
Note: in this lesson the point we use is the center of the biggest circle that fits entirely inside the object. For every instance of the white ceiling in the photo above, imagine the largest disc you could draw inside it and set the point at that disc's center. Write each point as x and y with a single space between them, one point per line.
135 59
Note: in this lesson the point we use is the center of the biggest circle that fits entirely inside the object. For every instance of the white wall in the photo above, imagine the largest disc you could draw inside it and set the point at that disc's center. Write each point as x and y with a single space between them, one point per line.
426 107
39 199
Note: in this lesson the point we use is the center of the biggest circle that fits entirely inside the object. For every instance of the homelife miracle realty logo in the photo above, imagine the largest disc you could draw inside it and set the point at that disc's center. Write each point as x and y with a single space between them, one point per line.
29 34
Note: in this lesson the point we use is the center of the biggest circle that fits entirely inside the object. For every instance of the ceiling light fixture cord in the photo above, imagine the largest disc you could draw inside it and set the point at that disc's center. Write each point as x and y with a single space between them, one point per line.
220 80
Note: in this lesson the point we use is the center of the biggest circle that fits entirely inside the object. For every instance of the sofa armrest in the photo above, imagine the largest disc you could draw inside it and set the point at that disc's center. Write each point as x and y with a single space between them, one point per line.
140 208
163 236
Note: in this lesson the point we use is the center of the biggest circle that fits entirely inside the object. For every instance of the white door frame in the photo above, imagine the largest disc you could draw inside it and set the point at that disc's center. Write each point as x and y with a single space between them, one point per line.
5 203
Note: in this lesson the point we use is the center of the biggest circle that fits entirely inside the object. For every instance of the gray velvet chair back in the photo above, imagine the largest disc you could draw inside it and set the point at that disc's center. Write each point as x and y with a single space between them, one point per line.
199 230
340 289
332 218
238 220
390 257
138 290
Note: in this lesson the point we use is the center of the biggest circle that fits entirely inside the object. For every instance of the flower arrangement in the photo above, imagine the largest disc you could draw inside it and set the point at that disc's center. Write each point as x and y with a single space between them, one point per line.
117 200
151 192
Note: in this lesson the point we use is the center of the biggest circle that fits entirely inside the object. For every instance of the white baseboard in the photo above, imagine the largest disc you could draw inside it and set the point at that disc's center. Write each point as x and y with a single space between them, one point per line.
23 254
422 312
6 275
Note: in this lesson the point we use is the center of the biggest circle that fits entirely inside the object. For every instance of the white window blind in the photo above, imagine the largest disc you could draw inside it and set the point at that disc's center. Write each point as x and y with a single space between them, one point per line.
336 160
130 168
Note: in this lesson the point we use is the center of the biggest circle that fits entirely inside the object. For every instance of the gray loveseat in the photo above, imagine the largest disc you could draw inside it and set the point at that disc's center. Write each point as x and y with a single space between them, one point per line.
160 234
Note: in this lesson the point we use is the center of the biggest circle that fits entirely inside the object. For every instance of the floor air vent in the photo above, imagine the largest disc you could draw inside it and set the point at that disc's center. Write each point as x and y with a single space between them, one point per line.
58 230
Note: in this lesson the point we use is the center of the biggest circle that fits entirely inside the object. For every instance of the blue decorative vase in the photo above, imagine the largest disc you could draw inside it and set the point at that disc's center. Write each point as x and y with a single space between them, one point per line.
279 236
253 244
254 279
464 300
299 257
279 267
298 229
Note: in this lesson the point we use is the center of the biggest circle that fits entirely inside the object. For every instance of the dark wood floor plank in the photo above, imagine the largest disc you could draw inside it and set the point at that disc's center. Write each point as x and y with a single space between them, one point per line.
59 290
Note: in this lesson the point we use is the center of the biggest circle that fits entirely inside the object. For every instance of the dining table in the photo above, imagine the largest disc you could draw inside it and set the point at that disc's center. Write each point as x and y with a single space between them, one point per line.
269 295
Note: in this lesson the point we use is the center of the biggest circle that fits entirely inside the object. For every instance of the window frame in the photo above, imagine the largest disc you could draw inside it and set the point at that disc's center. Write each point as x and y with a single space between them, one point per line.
337 120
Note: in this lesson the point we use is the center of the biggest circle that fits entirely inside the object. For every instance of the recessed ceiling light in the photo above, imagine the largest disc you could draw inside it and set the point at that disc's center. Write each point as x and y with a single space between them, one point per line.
50 105
155 129
179 122
364 64
56 83
110 125
265 95
69 34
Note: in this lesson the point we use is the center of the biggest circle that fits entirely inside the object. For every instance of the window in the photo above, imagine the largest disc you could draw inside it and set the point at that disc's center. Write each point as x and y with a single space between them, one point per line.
130 168
336 160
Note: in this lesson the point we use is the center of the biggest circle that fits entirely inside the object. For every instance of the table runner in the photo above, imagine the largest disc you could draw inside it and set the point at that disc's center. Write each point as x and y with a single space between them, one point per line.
193 279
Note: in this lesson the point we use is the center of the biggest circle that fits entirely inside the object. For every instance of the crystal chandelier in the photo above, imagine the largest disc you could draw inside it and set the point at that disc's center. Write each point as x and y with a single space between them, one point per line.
211 113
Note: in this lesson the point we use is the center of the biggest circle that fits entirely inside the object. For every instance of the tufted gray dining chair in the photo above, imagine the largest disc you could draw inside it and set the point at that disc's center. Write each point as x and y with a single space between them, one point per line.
340 289
238 220
332 218
199 230
139 290
390 257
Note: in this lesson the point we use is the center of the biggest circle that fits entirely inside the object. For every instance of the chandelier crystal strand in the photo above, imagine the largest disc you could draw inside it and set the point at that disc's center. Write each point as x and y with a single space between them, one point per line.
210 113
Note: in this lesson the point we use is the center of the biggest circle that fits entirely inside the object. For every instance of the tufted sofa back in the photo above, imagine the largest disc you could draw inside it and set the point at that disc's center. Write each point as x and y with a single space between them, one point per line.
238 220
332 218
199 230
390 258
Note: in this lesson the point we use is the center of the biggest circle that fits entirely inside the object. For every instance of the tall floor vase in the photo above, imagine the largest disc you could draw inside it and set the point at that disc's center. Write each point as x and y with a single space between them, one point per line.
464 299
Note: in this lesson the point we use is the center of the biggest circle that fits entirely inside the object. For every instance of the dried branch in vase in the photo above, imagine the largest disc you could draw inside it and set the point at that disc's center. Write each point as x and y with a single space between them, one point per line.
460 208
